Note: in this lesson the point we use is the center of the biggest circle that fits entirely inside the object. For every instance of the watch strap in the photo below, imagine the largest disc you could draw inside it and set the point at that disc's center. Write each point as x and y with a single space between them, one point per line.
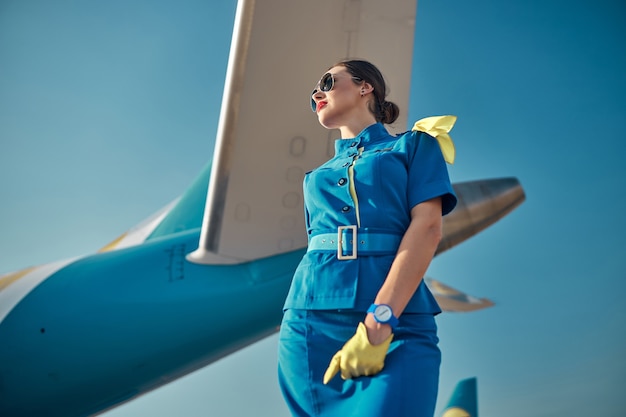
392 321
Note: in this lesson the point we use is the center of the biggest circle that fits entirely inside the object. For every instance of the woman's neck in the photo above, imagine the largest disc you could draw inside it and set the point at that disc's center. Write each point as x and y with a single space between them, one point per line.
356 126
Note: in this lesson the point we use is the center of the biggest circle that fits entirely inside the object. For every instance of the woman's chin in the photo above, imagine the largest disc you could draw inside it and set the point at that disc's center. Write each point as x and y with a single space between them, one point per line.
325 121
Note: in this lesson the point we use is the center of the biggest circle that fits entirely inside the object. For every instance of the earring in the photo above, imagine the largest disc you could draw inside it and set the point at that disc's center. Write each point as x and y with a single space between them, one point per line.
362 93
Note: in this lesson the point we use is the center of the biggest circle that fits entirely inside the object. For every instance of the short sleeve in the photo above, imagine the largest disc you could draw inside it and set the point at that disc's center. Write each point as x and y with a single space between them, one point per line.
428 175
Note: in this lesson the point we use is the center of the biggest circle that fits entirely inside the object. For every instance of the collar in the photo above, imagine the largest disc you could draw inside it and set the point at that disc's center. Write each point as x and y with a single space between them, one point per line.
372 134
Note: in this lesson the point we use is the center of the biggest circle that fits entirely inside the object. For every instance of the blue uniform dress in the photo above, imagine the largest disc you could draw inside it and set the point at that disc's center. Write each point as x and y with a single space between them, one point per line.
371 184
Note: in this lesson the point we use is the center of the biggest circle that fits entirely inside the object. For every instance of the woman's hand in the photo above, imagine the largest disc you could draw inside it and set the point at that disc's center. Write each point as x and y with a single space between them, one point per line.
376 332
358 357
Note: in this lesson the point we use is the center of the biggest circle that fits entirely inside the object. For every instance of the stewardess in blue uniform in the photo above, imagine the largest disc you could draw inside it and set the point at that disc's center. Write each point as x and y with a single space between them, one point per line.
358 336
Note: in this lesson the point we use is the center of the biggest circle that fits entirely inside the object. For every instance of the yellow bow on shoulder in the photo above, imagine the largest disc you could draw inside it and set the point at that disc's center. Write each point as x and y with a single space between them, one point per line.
438 127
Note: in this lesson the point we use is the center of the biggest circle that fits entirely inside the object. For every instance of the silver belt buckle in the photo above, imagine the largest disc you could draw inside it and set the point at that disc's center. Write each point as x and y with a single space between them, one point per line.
340 254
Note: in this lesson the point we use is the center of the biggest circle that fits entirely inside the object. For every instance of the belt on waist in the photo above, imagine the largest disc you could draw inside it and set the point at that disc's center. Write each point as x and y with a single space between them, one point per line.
349 242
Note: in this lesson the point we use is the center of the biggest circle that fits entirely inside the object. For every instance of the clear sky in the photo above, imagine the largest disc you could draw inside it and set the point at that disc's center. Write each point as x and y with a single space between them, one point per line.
108 110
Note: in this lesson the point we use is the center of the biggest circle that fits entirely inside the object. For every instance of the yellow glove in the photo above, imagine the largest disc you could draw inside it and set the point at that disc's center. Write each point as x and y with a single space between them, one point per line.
439 127
358 357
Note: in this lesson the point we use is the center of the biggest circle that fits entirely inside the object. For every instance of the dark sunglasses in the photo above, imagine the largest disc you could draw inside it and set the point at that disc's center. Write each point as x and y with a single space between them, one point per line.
325 84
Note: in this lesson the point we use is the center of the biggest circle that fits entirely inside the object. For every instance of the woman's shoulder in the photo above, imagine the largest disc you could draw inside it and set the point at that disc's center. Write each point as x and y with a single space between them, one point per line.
411 139
412 136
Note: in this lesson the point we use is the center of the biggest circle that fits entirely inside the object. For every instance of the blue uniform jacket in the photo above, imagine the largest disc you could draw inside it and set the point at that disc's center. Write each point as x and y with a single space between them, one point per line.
372 182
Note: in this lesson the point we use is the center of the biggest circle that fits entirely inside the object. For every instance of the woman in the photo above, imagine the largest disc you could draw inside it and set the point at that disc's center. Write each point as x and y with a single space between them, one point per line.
357 304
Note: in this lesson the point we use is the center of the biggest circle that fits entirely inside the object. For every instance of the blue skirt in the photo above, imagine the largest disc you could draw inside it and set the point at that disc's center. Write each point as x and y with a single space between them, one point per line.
407 385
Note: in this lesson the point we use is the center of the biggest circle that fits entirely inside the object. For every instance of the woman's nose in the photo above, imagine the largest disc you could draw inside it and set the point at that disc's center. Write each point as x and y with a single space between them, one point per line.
318 95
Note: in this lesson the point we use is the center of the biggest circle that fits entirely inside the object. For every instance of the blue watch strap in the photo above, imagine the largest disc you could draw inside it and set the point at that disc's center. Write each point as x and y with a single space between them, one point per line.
392 320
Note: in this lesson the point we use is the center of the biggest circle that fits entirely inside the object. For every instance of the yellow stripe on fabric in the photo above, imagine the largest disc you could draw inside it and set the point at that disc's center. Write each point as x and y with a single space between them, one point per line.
439 127
353 188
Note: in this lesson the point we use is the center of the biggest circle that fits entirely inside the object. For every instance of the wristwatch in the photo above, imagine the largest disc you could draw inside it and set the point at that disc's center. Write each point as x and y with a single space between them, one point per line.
383 314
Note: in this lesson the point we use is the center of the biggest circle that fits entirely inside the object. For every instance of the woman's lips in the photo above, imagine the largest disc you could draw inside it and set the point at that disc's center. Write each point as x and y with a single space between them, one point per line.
321 105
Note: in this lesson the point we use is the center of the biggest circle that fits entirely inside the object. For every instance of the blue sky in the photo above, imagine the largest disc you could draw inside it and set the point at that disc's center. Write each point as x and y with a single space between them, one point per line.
108 110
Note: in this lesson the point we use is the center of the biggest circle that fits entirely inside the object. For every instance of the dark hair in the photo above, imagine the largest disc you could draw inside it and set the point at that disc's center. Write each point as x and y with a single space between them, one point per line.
384 111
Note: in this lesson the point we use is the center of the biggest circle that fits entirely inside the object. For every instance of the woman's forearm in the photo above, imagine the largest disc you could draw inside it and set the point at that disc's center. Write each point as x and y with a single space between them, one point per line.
412 260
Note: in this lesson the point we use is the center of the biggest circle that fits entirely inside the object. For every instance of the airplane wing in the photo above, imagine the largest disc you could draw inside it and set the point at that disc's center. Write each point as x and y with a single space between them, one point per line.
451 299
267 136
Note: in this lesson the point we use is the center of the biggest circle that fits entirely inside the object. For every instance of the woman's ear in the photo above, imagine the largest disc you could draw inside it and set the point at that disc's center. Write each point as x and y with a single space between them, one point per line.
366 88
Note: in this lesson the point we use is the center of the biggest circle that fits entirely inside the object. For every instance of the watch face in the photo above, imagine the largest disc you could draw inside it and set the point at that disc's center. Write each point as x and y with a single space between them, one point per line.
383 313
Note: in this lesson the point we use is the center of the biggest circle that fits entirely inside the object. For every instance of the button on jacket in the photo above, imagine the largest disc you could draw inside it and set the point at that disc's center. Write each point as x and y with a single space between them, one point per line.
372 183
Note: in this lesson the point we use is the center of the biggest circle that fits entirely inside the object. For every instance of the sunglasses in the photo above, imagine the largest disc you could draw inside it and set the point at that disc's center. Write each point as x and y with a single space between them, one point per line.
325 84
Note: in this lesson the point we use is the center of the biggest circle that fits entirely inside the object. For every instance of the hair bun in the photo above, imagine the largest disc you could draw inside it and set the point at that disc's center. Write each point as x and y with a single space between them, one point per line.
390 112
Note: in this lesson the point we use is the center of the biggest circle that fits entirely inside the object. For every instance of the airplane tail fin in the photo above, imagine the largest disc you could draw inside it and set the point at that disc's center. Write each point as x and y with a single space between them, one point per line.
182 214
464 400
187 213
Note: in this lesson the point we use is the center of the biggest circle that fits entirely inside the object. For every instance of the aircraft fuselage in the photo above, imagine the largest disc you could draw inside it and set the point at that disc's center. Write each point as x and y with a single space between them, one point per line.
110 326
